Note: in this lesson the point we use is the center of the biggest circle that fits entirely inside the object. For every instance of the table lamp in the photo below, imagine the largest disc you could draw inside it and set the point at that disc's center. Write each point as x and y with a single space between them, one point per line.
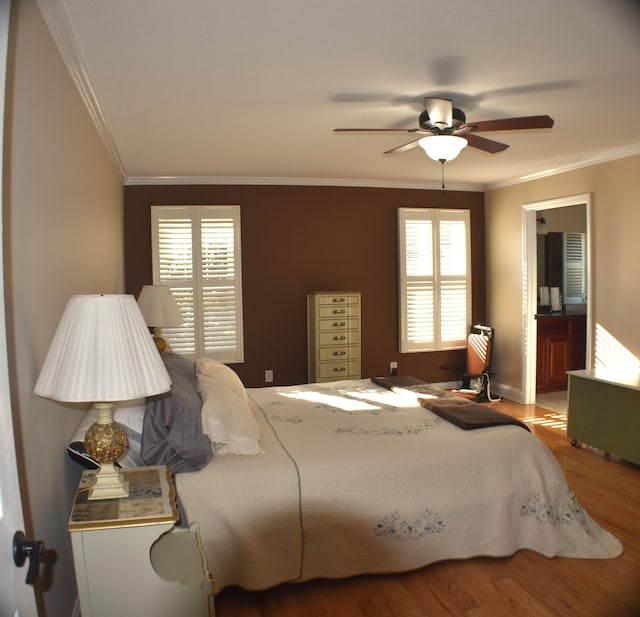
102 353
160 310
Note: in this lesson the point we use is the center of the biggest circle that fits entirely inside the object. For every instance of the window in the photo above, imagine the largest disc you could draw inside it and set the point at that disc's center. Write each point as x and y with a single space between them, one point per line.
196 252
575 267
435 278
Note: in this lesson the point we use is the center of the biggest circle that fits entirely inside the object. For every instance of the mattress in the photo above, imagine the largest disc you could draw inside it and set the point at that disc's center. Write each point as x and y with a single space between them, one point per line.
358 479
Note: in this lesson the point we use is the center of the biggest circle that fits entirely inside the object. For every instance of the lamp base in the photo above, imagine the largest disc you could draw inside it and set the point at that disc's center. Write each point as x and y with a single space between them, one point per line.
109 484
106 441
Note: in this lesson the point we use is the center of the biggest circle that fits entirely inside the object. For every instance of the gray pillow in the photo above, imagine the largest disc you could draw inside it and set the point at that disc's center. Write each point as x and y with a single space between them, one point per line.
178 365
172 433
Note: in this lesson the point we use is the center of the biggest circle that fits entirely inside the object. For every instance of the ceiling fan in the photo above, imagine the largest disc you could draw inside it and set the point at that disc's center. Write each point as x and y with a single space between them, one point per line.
443 130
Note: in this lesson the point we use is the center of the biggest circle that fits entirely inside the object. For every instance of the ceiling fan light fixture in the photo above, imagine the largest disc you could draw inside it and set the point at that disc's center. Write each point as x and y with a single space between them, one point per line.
442 147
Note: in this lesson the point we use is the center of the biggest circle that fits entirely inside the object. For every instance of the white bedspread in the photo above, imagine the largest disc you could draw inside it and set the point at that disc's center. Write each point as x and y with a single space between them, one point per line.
356 479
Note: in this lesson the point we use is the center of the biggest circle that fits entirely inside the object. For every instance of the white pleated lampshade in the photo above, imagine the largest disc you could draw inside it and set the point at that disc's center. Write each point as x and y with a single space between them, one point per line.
102 352
159 307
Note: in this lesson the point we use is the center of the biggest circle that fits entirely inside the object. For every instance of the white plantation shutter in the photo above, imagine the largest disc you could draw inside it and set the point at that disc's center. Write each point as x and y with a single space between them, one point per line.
453 278
575 267
196 251
219 291
435 278
420 314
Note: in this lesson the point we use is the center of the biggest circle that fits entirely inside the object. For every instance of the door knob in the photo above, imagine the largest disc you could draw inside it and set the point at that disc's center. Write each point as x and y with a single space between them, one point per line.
23 549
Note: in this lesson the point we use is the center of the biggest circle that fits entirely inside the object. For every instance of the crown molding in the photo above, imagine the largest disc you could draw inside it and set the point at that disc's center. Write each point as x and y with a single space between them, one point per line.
65 40
337 182
602 157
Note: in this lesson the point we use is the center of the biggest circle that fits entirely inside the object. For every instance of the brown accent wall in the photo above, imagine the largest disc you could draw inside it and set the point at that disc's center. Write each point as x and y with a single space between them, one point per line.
298 239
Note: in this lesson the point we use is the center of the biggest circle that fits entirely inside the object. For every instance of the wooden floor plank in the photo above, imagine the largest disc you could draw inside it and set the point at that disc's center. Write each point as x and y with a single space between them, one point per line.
525 584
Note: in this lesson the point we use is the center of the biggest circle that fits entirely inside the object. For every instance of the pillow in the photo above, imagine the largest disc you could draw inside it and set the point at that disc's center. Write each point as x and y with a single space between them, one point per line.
178 365
218 402
222 374
172 432
130 414
227 419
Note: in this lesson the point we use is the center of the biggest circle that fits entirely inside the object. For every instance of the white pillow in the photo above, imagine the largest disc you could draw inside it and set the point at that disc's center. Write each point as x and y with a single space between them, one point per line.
227 419
222 374
217 403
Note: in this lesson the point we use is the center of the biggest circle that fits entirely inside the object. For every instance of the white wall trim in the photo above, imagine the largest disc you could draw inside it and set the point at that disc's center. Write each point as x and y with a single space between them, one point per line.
247 180
529 282
602 157
506 391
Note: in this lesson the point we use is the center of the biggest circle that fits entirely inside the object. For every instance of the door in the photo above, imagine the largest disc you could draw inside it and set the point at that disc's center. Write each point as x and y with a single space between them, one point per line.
16 597
530 287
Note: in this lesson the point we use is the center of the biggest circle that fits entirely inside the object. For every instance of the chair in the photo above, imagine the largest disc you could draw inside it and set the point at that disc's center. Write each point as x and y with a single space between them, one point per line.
476 380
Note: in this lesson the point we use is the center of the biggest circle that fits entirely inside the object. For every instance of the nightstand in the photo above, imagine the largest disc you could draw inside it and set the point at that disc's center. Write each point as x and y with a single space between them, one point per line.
129 556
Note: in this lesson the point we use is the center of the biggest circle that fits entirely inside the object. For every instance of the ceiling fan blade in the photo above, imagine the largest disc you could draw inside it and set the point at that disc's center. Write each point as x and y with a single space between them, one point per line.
404 147
513 124
482 143
382 131
440 111
464 129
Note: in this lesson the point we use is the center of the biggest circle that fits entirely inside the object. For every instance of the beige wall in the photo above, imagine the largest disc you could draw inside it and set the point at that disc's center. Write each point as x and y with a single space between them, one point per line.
63 236
615 197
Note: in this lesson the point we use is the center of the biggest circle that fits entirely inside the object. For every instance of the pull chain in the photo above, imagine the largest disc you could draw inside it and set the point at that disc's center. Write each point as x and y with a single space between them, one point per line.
442 162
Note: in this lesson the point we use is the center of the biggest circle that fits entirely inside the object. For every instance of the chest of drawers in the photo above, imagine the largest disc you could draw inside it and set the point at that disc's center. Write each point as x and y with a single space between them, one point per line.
333 335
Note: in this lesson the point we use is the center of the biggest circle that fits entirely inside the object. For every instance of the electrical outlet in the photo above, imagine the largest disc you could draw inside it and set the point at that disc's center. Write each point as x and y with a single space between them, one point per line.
393 368
268 376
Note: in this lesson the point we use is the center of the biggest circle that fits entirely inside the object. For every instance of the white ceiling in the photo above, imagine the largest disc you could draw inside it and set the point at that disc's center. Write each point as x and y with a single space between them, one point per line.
250 90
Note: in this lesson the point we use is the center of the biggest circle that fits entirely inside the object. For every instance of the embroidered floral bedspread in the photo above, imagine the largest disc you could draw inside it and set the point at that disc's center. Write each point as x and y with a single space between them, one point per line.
359 479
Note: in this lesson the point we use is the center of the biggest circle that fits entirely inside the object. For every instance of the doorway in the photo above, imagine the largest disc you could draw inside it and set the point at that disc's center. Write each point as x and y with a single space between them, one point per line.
531 213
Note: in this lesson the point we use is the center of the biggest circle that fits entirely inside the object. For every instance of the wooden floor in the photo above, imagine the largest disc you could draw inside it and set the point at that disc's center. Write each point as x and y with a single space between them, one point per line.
525 584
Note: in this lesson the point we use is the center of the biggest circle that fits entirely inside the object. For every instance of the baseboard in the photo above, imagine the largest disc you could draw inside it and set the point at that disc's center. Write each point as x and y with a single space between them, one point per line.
447 385
497 389
505 391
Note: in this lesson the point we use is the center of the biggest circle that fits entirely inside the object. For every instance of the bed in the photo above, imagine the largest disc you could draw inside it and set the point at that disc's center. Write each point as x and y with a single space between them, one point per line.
344 478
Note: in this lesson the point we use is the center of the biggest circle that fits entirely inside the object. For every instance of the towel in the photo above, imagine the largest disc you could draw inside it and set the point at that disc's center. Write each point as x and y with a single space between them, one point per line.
468 415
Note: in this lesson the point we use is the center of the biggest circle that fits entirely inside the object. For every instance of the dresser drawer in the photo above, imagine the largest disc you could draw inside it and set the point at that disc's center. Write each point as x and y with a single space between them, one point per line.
343 337
339 370
338 353
341 323
337 299
334 312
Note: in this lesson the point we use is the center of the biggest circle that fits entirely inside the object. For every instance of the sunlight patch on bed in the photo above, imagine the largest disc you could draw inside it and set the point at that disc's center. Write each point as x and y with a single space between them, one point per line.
397 398
340 402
